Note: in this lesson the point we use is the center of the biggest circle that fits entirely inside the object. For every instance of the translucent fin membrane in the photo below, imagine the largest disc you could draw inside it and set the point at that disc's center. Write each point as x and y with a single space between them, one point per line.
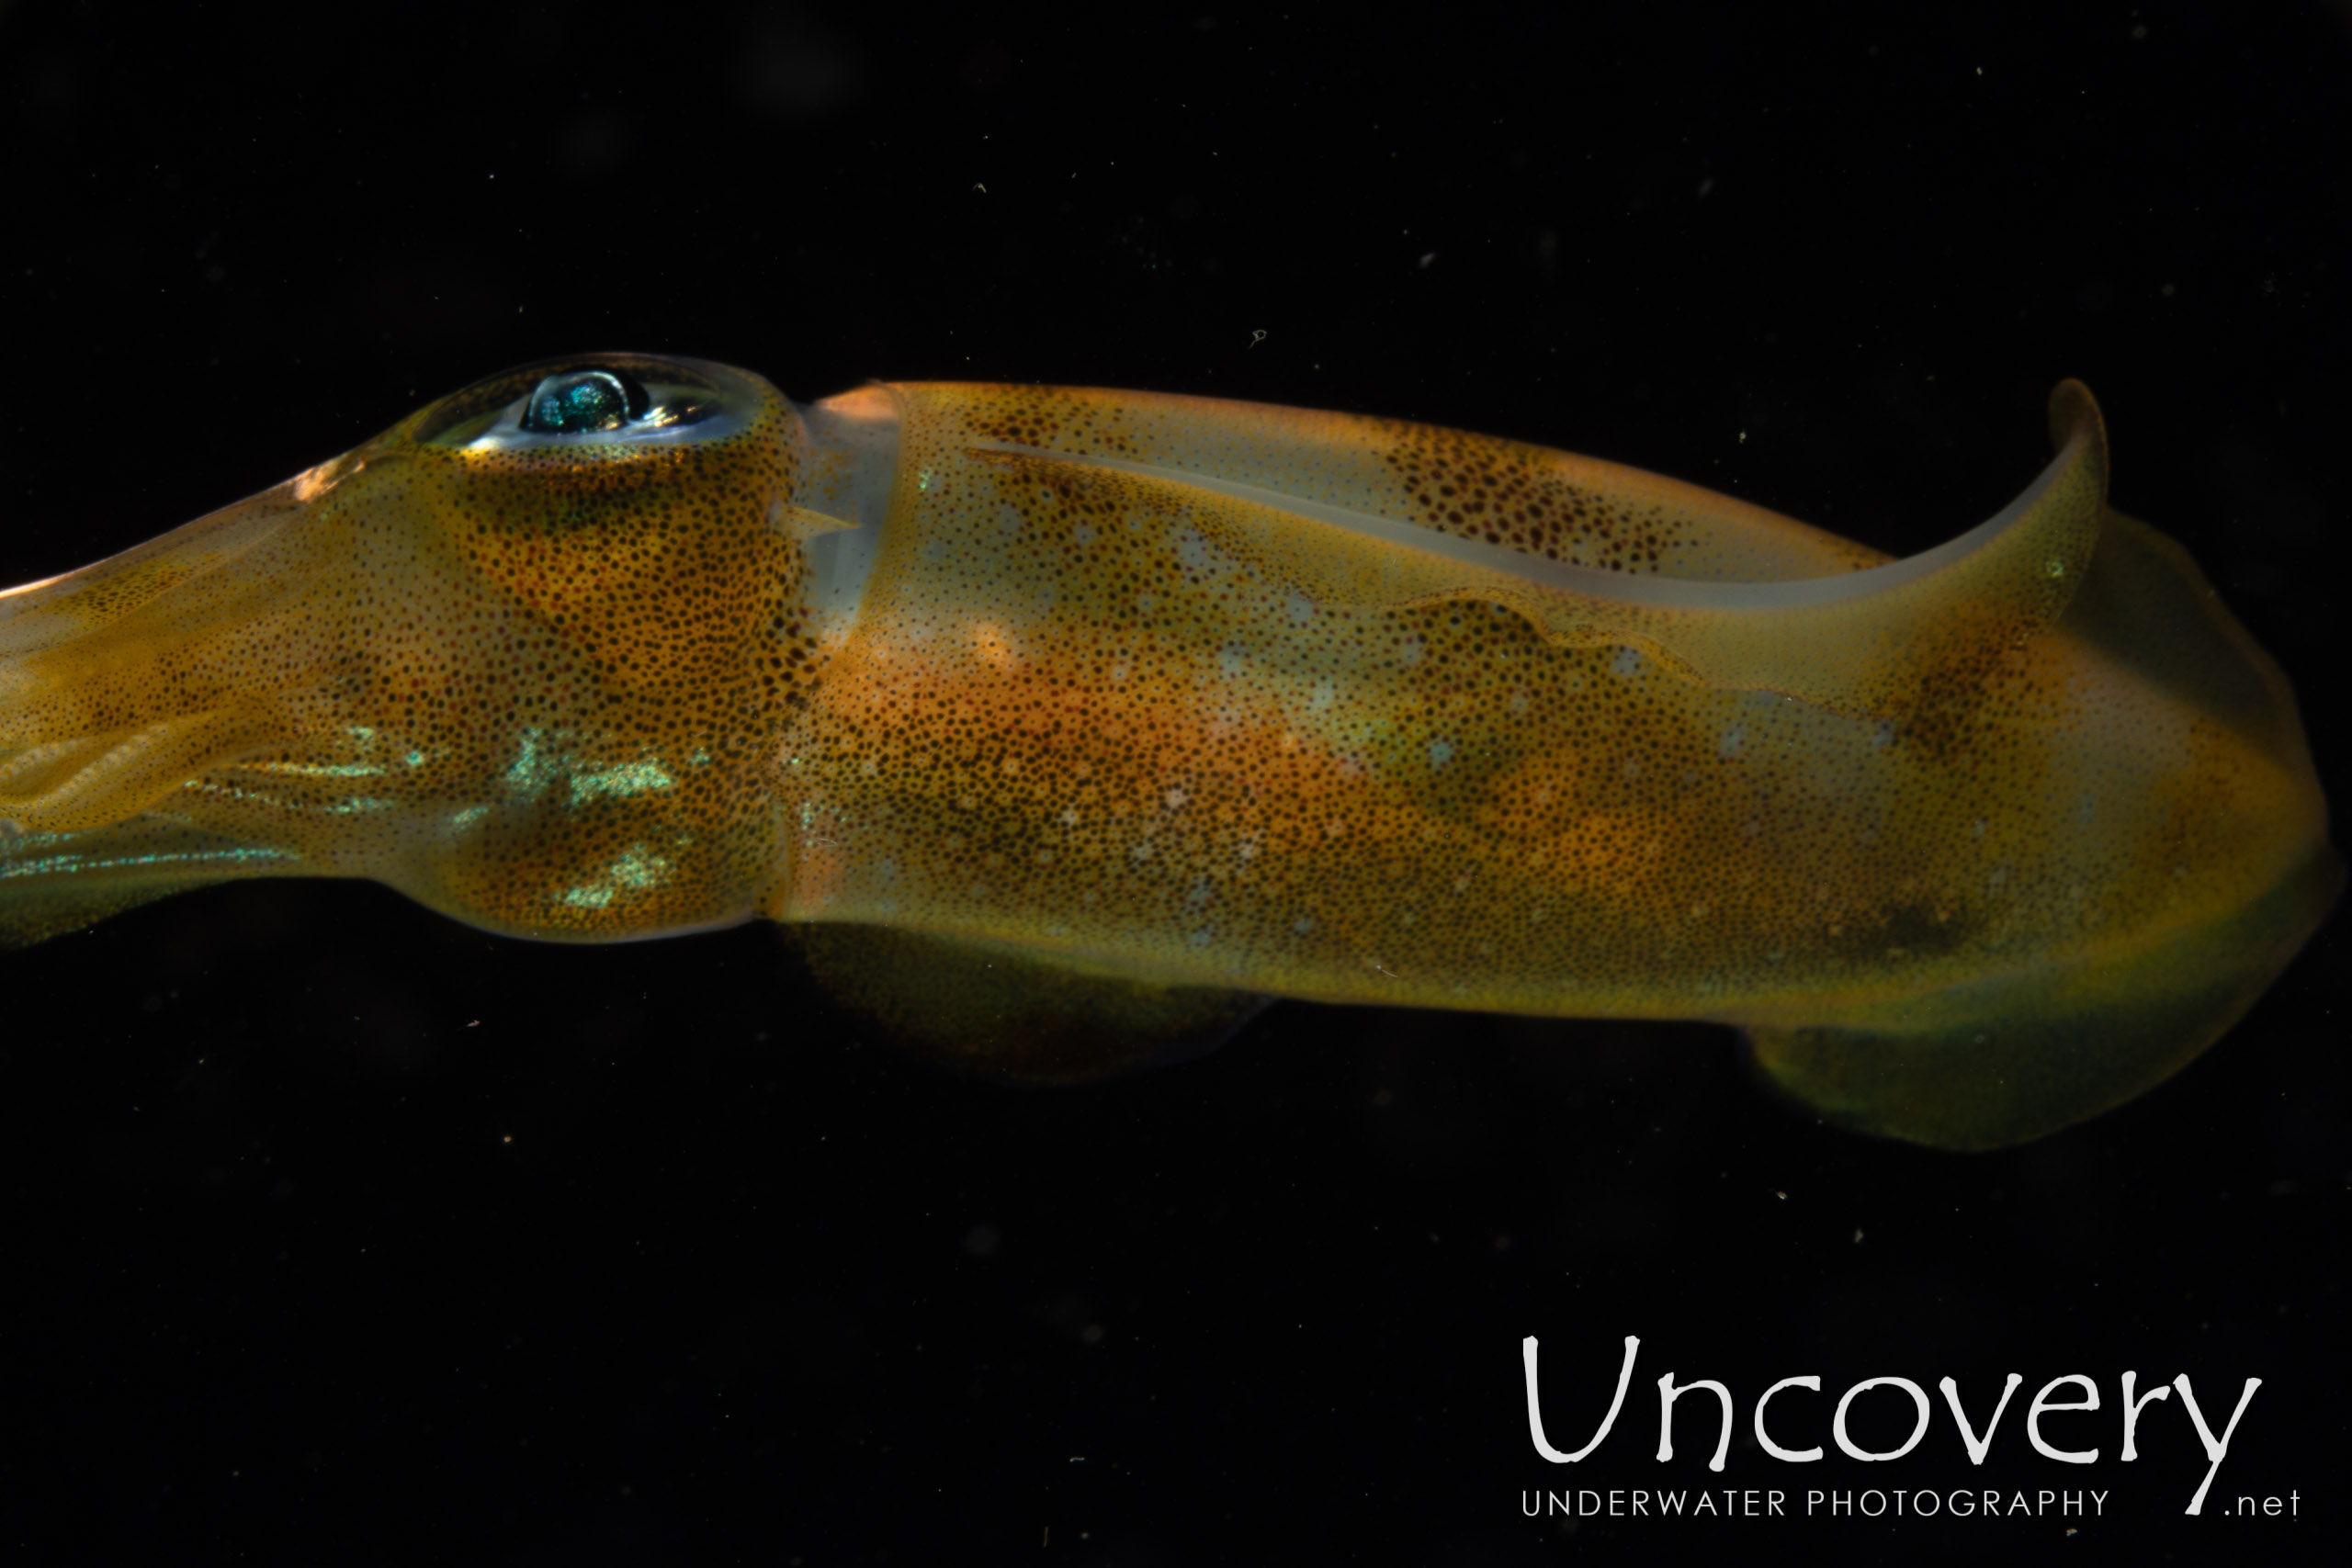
1001 1013
1877 641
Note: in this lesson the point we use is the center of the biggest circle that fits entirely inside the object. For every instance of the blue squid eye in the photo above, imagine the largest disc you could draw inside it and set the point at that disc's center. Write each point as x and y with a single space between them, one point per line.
576 400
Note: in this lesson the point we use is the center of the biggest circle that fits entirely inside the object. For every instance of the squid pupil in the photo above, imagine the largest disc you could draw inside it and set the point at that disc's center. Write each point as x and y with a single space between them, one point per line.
579 401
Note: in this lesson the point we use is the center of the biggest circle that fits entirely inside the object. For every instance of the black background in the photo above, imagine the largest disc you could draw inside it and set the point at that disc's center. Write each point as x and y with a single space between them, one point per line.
331 1231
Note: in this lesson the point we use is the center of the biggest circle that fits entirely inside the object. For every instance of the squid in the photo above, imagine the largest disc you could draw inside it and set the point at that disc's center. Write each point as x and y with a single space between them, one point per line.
1064 728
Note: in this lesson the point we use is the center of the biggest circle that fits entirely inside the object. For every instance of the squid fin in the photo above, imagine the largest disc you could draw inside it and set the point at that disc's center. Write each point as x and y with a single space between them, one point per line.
998 1011
2003 1061
1884 640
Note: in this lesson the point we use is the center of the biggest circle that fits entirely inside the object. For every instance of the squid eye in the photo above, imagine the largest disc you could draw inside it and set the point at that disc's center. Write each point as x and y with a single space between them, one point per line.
590 409
578 401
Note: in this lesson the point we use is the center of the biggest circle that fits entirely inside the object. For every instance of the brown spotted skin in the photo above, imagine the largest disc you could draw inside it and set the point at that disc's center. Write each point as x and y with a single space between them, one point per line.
1078 714
541 691
1531 499
1214 696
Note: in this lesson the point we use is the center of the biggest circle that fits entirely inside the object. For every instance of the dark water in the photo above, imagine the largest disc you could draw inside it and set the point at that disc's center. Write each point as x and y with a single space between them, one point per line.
336 1233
